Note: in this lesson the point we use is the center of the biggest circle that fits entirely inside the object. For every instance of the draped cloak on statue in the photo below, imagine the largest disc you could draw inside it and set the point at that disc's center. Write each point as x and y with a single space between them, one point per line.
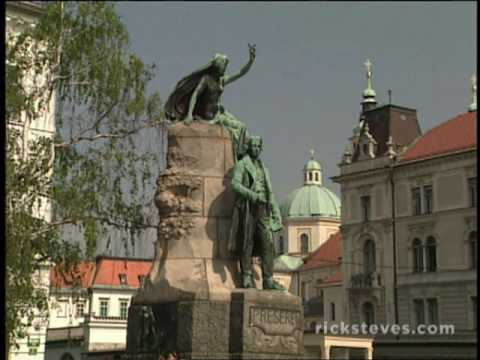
176 107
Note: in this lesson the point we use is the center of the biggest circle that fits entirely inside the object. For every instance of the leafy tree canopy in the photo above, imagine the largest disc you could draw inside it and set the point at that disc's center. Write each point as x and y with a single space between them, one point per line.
95 172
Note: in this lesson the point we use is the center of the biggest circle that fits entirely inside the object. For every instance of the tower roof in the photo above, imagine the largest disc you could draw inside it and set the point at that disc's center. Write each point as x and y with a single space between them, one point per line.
312 164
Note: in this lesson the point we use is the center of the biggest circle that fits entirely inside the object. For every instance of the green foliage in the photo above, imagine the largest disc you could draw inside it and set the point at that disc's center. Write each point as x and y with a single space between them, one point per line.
95 172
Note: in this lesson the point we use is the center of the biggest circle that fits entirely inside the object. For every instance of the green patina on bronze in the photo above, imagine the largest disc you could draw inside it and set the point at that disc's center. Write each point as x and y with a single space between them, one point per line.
198 97
256 216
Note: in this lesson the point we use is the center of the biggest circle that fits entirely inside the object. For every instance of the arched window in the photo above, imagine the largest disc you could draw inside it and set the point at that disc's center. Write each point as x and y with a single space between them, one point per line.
369 257
472 241
431 252
304 248
417 255
368 313
316 176
310 177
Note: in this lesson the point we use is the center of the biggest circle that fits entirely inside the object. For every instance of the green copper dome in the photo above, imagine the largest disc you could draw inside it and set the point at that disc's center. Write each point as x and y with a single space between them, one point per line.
313 165
310 201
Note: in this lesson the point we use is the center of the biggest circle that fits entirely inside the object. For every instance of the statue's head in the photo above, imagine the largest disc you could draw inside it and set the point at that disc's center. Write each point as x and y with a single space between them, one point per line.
220 62
255 146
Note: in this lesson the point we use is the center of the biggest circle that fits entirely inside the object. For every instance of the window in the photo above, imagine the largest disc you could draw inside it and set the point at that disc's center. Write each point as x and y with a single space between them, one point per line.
62 308
281 245
369 257
417 255
32 351
304 248
310 177
472 191
472 241
316 176
432 308
332 311
419 309
123 309
80 308
368 313
431 252
103 308
428 199
123 279
474 311
416 201
33 341
365 202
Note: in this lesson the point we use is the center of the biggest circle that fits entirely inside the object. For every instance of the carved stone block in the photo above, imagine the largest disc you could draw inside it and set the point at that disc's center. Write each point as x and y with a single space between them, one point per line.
266 322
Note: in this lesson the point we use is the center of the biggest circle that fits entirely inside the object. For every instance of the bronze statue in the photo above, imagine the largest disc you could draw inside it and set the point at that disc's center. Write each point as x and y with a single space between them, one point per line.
198 97
256 216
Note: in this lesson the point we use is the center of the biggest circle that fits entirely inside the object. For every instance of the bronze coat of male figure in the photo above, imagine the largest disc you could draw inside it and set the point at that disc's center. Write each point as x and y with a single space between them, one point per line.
256 216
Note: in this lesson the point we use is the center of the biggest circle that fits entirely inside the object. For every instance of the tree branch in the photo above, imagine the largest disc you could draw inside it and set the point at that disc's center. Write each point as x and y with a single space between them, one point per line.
116 135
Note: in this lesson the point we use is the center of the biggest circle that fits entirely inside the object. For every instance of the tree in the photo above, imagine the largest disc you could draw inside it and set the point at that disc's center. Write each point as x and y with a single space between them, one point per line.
74 63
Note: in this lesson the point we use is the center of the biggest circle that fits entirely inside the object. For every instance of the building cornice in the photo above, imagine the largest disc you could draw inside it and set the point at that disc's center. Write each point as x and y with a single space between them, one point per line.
412 165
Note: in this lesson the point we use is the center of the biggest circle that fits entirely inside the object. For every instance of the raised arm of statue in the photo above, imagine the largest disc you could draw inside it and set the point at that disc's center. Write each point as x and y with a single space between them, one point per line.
193 100
231 78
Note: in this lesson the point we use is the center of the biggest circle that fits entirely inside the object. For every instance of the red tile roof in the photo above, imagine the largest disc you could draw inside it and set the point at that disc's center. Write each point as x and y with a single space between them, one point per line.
335 278
326 255
80 275
109 270
105 271
456 134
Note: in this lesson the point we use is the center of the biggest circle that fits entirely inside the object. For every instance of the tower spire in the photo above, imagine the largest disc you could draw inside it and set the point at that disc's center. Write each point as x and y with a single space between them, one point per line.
473 104
369 94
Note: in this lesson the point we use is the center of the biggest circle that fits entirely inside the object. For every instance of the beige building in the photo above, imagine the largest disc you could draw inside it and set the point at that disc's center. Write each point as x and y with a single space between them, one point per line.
409 227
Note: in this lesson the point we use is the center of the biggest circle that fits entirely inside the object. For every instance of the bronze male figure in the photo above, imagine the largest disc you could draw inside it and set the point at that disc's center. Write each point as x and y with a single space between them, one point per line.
256 216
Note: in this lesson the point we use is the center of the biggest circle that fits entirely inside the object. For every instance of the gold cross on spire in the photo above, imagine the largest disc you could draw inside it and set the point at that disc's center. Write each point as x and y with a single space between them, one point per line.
368 65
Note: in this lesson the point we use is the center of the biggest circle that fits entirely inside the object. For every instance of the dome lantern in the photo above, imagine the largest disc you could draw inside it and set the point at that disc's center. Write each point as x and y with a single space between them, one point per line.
312 171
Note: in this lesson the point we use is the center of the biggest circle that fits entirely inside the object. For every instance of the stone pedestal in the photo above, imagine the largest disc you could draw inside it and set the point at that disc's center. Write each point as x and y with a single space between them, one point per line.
189 303
266 324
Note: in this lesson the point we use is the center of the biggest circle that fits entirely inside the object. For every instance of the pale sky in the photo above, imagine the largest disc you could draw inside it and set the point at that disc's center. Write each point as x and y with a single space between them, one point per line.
304 90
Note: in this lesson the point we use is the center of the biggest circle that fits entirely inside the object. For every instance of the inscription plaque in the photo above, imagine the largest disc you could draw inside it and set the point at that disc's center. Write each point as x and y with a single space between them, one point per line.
275 321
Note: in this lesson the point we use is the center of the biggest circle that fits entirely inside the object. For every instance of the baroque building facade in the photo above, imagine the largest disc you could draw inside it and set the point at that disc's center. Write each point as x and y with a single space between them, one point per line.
409 224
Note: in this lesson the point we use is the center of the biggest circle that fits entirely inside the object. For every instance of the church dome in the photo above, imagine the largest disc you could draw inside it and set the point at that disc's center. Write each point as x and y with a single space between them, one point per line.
312 199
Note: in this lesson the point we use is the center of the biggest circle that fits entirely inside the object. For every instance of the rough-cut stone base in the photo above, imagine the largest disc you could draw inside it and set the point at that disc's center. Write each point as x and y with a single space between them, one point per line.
254 324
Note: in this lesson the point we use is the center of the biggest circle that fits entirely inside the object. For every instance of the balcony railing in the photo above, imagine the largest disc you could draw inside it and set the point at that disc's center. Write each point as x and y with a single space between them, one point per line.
313 307
365 281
